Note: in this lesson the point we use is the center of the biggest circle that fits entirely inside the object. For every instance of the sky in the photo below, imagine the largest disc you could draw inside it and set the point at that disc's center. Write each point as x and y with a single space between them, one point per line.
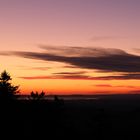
71 46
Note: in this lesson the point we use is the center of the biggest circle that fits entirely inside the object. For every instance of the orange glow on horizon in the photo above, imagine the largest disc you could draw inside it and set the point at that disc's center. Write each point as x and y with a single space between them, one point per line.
79 87
27 26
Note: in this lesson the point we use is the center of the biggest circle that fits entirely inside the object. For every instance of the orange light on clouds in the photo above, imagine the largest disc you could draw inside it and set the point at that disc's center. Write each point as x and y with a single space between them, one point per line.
26 26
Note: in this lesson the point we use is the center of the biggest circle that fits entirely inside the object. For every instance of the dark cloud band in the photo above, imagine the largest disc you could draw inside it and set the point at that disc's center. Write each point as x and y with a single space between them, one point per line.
75 76
100 59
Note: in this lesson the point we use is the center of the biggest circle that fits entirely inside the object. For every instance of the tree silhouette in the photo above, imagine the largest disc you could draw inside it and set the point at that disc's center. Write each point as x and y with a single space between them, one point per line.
7 90
36 95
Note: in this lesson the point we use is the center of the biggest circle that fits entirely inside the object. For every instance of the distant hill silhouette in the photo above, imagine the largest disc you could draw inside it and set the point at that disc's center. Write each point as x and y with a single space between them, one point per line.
108 117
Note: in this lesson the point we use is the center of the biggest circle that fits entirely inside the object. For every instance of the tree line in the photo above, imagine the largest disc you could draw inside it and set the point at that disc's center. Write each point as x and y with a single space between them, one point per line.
9 91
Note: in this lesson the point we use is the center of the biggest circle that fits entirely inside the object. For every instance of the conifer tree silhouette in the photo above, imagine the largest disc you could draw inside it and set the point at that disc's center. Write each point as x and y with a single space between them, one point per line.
7 90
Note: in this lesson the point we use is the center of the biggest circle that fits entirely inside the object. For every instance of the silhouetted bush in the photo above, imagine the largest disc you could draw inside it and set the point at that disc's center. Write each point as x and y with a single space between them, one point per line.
7 90
37 96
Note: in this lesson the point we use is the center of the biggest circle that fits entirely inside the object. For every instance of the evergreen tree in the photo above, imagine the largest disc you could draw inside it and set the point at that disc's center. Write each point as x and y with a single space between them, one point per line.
7 90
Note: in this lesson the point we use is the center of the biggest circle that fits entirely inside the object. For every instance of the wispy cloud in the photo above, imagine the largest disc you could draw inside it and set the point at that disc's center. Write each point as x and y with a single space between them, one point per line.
120 77
81 51
135 91
70 73
69 67
79 76
120 86
40 68
103 38
103 85
100 59
34 68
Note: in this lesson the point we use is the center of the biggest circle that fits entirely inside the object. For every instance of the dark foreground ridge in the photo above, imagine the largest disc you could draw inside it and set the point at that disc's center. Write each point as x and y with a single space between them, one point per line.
109 117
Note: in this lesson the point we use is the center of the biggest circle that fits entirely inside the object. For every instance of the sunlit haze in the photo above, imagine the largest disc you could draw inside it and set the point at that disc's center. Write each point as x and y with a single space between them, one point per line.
71 46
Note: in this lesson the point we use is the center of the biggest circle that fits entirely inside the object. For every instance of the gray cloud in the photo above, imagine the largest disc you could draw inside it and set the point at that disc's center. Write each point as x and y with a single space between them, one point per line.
120 77
77 76
70 73
112 60
69 67
75 51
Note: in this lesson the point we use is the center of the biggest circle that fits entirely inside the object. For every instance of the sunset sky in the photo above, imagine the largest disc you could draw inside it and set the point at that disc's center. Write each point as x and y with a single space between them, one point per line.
71 46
